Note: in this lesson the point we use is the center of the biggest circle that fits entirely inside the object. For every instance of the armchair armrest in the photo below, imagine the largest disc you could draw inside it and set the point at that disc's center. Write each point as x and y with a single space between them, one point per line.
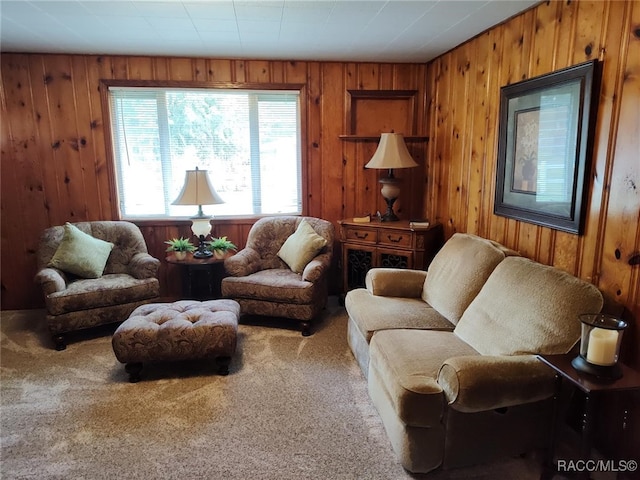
316 268
395 282
143 265
51 280
243 263
479 383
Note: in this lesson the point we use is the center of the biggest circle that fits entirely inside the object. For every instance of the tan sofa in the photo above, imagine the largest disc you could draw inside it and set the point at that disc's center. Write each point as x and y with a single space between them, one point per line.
450 354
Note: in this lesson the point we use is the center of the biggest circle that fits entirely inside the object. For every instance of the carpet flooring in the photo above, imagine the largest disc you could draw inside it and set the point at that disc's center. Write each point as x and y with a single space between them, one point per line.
292 407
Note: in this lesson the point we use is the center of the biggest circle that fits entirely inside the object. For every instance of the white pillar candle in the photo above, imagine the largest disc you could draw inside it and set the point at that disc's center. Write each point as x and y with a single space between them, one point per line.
602 347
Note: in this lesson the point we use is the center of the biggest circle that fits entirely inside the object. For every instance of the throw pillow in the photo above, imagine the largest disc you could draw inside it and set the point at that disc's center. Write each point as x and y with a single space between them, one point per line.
301 247
81 254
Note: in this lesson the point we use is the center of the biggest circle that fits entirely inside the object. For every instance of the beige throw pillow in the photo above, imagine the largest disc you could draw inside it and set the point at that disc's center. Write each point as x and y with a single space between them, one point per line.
301 247
81 254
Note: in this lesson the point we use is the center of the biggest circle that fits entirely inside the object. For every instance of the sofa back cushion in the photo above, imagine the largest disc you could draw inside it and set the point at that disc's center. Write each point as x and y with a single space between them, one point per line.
458 272
526 308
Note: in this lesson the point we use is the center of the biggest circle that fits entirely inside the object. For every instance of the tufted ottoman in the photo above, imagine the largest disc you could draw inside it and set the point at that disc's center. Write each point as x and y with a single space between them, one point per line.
182 330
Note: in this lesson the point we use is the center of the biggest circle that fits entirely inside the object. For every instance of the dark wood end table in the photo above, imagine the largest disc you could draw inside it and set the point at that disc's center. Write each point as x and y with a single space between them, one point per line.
593 388
201 277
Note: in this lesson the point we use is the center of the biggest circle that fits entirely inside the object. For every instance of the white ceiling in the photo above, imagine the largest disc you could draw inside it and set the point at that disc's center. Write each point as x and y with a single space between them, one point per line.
323 30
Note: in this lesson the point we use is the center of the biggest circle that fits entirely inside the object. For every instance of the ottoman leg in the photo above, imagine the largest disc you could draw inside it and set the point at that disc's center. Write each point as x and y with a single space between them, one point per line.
133 369
223 365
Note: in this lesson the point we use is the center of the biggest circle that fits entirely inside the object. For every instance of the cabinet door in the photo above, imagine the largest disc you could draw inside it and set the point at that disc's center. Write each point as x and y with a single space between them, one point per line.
356 261
392 258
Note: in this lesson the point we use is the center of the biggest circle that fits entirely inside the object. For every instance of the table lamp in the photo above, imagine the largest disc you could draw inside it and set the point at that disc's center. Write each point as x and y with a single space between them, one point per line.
197 190
600 346
391 153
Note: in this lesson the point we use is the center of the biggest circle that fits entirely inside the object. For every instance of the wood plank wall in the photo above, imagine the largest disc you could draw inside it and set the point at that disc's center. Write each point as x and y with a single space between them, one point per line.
54 163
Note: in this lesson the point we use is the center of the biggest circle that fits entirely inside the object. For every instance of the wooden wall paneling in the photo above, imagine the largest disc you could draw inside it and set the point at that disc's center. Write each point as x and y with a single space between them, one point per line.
258 71
443 153
300 72
622 228
456 185
120 66
199 66
44 154
140 68
477 112
238 73
98 67
180 69
334 163
83 141
314 159
219 70
22 186
604 138
64 132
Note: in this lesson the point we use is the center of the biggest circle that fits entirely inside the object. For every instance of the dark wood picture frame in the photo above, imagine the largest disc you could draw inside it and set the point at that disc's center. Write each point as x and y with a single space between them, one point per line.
544 145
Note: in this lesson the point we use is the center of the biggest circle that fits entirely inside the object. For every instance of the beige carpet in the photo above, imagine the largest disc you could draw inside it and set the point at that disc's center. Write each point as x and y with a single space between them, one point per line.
291 408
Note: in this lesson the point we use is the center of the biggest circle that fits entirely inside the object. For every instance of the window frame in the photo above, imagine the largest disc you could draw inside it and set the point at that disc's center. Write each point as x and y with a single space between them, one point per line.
109 140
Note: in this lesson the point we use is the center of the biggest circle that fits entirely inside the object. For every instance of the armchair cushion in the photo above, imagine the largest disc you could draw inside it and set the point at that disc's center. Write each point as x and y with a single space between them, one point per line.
81 254
539 315
479 382
301 247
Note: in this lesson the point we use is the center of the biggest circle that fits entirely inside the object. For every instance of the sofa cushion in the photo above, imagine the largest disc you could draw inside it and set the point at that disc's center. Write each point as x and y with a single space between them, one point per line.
274 285
301 247
371 313
405 364
110 289
81 254
526 307
458 272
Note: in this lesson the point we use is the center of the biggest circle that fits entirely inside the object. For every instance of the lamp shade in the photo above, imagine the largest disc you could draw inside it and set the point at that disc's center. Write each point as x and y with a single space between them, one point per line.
391 153
197 190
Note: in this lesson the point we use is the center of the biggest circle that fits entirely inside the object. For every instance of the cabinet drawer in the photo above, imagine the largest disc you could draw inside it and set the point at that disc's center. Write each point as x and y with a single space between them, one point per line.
394 238
363 235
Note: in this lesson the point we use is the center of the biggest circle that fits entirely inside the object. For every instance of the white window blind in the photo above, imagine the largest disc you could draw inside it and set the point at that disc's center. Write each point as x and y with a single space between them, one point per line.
248 140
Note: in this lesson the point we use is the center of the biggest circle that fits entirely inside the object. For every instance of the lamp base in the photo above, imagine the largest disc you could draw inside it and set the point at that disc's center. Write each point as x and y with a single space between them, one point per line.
390 192
389 215
612 372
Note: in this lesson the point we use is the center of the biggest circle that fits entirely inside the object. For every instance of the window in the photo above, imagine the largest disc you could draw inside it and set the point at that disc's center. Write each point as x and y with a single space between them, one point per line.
248 140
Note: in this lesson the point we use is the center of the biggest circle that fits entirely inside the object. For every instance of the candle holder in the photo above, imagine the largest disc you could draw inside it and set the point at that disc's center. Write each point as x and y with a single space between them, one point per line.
600 346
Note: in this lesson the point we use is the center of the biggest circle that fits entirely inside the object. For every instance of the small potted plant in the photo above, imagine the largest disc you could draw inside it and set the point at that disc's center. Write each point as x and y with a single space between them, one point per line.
181 246
220 246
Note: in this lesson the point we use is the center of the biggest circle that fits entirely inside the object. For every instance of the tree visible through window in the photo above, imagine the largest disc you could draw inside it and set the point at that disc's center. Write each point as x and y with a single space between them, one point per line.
248 140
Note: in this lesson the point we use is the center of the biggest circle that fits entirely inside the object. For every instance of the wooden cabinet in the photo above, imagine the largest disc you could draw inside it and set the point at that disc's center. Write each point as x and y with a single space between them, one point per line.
385 244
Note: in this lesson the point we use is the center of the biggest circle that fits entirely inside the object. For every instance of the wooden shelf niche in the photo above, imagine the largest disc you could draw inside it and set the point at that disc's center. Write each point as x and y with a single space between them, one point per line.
372 112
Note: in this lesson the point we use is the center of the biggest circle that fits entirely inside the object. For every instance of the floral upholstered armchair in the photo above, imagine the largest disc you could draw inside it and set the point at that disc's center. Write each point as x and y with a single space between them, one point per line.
283 270
93 273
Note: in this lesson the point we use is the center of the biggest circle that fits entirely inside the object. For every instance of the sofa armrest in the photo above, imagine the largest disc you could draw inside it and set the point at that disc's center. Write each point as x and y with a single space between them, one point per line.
395 282
316 268
143 265
481 382
51 280
243 263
